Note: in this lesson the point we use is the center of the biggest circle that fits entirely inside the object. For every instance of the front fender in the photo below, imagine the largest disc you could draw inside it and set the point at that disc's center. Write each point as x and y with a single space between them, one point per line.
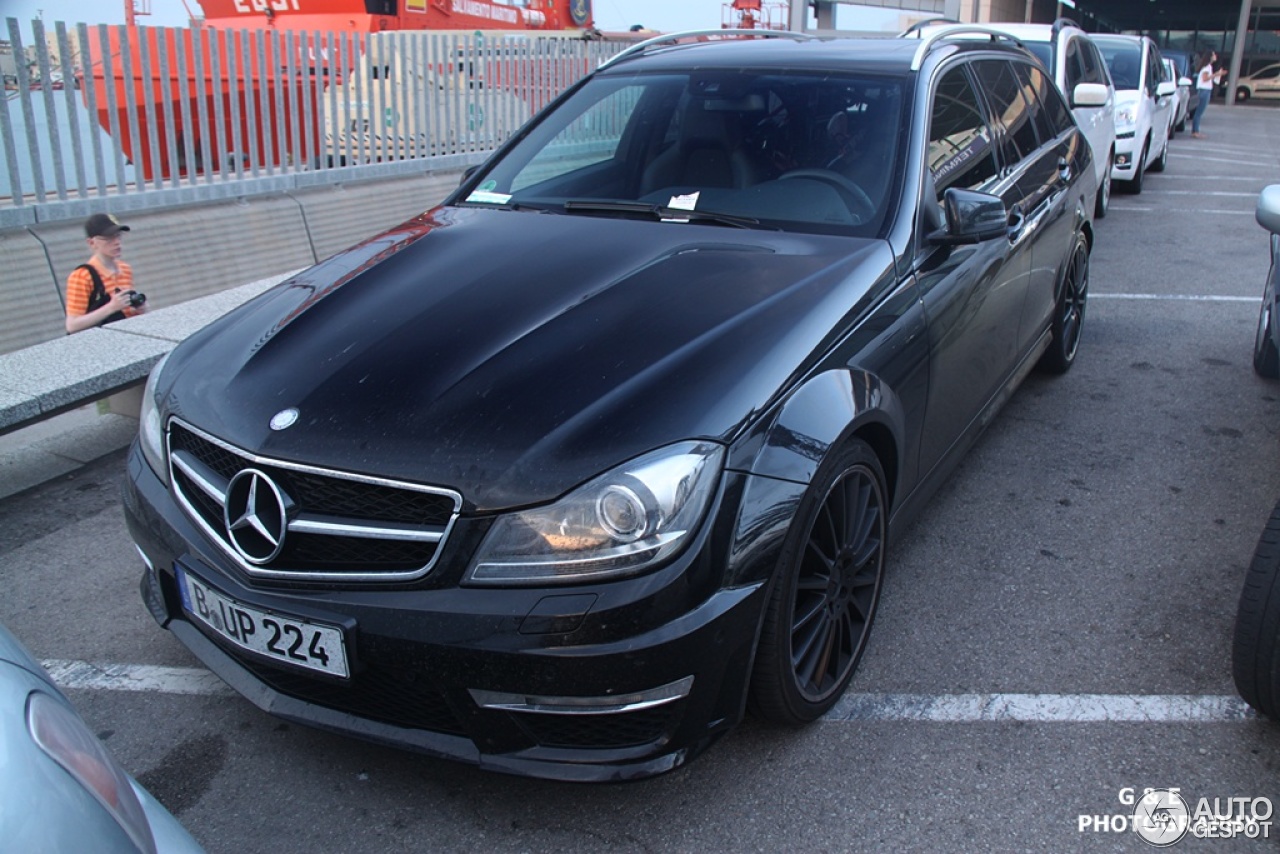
783 453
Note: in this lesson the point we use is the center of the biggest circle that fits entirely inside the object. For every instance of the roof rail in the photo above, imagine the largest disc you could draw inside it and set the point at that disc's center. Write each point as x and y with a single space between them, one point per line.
1064 22
929 39
673 38
927 22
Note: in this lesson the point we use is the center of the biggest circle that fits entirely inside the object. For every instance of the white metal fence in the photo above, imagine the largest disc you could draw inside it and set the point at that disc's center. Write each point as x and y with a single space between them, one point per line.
152 116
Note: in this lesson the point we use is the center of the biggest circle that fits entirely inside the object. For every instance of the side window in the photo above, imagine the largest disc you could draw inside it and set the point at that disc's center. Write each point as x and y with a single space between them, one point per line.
1052 114
1010 108
961 153
1154 71
1094 67
1076 73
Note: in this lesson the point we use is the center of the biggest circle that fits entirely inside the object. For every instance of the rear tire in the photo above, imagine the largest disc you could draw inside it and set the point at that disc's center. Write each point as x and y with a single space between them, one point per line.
1255 650
825 591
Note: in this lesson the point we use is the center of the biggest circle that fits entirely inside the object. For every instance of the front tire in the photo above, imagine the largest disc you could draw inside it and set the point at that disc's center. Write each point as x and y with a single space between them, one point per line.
1255 650
1266 357
1068 313
1163 160
1140 169
1102 201
825 593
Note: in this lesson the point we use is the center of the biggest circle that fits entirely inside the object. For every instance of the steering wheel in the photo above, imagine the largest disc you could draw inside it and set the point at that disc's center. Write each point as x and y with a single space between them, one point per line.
849 191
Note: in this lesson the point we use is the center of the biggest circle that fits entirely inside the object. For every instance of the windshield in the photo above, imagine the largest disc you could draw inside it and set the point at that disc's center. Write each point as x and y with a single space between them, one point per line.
778 150
1043 52
1124 61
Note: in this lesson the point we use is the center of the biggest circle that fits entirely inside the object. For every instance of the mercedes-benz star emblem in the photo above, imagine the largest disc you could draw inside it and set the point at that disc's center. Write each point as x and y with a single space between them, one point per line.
284 418
256 516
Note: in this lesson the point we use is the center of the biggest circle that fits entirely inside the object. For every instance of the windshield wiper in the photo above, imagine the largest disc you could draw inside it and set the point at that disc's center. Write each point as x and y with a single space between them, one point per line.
661 212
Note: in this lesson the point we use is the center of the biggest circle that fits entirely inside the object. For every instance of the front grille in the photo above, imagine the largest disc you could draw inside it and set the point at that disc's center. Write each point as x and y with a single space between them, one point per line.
335 526
620 729
395 697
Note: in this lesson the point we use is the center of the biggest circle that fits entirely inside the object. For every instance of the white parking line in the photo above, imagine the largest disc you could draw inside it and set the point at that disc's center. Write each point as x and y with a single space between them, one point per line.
1176 297
1197 211
1169 177
1200 158
1041 708
1252 195
135 677
944 708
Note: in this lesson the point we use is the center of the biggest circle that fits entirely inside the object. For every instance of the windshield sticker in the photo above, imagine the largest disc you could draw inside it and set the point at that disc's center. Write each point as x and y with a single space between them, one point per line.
488 185
684 203
484 197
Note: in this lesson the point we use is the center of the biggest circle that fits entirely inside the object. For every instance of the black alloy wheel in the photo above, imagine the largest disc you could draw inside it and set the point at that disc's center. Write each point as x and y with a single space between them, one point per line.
824 596
1068 314
1255 648
1266 357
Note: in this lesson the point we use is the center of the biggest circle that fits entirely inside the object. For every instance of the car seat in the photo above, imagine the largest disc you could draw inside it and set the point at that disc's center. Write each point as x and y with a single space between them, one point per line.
709 151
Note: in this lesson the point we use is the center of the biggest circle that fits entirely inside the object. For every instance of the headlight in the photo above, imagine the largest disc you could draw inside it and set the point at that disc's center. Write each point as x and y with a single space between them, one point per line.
621 523
67 741
150 431
1126 118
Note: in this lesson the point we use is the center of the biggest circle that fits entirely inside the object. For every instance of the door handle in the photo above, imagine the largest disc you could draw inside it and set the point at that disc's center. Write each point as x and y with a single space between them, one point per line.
1017 221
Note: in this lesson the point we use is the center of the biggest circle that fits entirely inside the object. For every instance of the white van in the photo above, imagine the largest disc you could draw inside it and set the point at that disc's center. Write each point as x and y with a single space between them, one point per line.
1079 70
1145 105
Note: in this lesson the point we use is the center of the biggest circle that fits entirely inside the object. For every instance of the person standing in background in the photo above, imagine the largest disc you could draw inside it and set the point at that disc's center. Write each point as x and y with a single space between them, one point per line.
1206 79
101 290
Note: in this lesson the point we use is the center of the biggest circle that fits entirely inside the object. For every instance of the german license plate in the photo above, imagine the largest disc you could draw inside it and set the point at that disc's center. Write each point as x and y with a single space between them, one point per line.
289 640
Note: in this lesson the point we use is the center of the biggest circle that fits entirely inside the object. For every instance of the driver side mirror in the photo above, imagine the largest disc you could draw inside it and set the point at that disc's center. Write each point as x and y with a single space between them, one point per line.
971 217
1165 87
1089 95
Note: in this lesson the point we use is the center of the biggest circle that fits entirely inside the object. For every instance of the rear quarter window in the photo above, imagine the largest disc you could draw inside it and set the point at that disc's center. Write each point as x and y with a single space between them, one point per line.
1011 110
961 148
1052 114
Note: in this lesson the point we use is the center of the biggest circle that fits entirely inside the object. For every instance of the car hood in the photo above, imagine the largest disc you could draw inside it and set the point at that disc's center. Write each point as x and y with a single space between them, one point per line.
1127 97
513 355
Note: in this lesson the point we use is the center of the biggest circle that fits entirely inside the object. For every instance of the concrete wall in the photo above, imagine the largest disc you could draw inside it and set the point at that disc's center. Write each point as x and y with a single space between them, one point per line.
182 253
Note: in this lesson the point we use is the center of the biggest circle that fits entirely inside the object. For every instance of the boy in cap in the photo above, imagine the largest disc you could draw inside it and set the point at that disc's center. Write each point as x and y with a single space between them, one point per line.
101 291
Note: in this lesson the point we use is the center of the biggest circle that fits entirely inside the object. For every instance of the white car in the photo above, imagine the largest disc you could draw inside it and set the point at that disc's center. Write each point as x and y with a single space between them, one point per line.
1263 83
1145 103
1081 75
1181 105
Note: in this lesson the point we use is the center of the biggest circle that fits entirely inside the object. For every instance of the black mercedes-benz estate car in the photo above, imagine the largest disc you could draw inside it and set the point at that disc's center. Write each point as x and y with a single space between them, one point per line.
563 475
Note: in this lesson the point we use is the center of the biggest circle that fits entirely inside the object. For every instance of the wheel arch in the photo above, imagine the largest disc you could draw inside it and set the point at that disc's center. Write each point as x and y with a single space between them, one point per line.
829 408
782 454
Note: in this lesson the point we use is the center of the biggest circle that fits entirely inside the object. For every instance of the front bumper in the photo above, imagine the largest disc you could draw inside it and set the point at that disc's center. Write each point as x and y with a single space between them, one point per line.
514 680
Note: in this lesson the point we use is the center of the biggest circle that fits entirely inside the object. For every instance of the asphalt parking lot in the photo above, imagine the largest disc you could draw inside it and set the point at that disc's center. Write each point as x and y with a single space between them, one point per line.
1054 631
